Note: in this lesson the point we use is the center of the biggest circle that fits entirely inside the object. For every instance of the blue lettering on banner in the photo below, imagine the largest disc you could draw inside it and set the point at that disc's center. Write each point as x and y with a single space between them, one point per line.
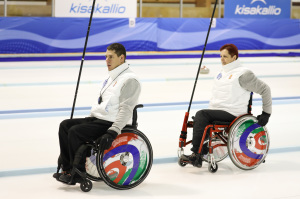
106 9
72 10
122 9
83 9
97 9
258 8
113 9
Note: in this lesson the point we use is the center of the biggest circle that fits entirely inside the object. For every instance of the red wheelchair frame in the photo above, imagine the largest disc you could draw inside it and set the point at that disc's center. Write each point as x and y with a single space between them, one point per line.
255 137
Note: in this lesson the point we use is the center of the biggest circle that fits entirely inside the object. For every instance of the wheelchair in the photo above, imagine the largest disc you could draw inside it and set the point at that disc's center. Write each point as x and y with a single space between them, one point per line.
246 142
125 165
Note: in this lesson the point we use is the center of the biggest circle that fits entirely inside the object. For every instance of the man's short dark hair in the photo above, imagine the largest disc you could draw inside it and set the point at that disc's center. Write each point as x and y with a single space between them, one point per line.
232 50
118 48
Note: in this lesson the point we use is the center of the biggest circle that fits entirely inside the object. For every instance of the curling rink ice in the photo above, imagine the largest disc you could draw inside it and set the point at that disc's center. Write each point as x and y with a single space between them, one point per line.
37 96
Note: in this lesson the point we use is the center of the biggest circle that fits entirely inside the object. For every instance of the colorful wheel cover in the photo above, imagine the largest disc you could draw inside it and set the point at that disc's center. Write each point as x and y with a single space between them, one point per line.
220 152
91 167
127 159
250 144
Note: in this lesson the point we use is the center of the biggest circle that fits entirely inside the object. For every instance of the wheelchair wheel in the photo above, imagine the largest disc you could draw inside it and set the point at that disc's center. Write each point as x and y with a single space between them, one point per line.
128 162
91 167
248 143
212 168
86 186
181 162
220 153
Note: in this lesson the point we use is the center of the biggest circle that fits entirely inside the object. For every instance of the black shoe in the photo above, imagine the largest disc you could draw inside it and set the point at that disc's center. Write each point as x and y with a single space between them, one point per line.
194 159
57 175
66 178
189 158
198 161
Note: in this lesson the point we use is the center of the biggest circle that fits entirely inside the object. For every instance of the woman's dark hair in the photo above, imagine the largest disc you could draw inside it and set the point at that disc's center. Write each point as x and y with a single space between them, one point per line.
232 50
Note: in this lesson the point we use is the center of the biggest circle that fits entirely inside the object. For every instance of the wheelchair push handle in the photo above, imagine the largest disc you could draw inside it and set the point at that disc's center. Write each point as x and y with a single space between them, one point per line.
134 117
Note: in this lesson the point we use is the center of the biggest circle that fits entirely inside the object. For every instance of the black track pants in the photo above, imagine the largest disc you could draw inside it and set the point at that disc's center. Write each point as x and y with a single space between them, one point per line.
202 119
75 132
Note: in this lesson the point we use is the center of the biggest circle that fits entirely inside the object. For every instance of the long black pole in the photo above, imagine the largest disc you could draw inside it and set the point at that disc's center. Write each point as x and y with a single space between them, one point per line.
211 19
83 56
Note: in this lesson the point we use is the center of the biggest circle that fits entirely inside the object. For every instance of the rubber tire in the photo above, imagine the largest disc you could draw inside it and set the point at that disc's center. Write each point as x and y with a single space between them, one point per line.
211 169
86 186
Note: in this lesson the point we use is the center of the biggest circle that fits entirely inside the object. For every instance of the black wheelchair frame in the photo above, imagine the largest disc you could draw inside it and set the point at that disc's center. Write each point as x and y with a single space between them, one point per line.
124 166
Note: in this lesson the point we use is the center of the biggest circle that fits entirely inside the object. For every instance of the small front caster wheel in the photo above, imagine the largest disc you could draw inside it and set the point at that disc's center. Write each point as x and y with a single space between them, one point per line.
213 169
181 163
86 186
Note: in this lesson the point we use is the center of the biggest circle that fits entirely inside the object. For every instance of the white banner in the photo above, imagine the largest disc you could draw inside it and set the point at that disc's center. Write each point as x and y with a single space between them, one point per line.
102 9
257 9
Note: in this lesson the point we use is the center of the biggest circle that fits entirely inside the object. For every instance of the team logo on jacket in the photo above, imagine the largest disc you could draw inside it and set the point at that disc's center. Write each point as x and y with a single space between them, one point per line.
104 83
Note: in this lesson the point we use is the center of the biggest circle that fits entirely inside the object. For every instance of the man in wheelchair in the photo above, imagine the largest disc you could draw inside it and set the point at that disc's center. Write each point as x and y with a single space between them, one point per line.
230 97
118 97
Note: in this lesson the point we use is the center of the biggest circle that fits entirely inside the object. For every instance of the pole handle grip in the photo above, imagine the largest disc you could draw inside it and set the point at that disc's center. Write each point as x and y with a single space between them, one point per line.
185 121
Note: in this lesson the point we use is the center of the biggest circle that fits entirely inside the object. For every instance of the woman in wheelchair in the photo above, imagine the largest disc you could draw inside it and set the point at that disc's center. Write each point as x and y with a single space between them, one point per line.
231 91
118 97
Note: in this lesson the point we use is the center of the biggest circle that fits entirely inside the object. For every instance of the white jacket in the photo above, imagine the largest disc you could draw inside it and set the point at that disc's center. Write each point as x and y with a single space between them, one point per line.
109 108
227 94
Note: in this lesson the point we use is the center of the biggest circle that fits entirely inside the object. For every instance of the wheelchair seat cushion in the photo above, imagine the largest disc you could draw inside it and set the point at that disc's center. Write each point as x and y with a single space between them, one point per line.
221 123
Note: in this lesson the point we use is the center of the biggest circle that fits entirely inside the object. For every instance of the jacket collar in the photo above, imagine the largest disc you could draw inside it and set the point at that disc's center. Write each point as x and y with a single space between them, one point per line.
233 65
115 72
